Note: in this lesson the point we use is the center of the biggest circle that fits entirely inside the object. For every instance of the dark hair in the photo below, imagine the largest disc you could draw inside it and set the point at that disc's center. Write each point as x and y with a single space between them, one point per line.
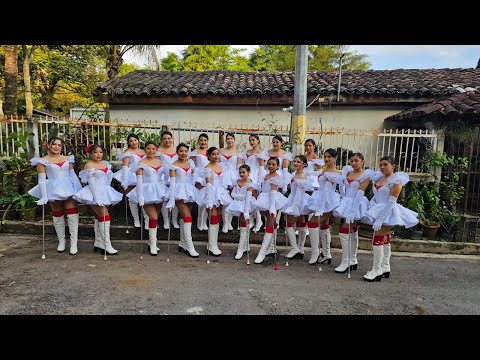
274 158
229 134
244 166
182 145
53 138
332 152
150 142
166 132
310 141
357 154
203 135
210 151
255 136
278 137
130 136
304 160
391 160
93 147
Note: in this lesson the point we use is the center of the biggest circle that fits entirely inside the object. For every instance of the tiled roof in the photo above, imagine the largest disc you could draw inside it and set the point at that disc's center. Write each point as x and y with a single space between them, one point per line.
413 82
451 108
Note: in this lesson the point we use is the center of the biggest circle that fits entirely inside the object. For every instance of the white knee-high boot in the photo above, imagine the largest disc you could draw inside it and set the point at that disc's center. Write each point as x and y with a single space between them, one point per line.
146 219
292 239
314 245
134 210
202 218
166 222
59 224
354 249
187 238
267 240
175 218
344 239
326 239
212 246
225 219
242 244
376 272
302 237
181 244
98 244
104 227
258 222
72 220
152 241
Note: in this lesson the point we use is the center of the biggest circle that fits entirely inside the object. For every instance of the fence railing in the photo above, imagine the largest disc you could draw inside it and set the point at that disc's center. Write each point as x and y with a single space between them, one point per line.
406 145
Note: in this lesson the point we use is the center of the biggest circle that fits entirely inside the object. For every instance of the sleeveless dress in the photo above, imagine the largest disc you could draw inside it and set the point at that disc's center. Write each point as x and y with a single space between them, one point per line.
313 173
399 215
239 194
184 183
60 185
301 207
219 182
257 172
326 198
229 166
154 189
103 180
263 199
348 191
134 159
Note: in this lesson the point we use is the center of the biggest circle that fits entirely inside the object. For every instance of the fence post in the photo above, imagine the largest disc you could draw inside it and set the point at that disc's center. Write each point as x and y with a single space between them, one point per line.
32 145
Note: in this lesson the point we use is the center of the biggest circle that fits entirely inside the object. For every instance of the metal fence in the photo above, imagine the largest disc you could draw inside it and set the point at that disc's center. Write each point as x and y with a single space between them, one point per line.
405 145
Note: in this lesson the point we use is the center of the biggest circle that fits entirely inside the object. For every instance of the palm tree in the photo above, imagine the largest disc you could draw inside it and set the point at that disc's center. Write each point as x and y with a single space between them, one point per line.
116 52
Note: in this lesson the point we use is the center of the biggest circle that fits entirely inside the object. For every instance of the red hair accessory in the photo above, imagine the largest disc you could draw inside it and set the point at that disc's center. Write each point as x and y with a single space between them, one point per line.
87 149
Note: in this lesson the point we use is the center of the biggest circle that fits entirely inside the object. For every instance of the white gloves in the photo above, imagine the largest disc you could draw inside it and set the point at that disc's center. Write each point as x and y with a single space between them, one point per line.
377 225
286 178
125 177
75 180
94 190
139 188
171 200
350 218
246 209
42 184
272 210
297 192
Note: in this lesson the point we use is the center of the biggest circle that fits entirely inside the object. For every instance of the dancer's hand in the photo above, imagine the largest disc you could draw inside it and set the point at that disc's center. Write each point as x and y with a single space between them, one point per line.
42 201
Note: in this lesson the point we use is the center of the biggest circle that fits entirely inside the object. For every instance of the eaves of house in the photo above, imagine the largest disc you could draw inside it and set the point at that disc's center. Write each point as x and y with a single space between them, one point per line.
388 87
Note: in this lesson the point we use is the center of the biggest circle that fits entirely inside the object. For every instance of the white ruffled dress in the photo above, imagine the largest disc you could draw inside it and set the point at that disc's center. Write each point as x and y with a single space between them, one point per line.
202 160
229 166
257 172
286 177
239 194
263 199
313 173
134 159
326 198
184 183
399 215
104 190
300 207
60 186
154 189
219 182
166 159
348 191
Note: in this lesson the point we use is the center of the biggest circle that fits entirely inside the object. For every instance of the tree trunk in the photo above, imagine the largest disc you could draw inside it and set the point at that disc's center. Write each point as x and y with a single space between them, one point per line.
11 76
27 60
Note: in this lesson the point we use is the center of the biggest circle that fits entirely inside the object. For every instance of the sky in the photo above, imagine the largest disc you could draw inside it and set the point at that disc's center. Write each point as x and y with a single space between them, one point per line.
387 57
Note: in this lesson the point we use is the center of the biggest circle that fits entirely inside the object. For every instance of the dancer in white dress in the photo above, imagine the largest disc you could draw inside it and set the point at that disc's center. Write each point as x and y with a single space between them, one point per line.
385 213
126 177
314 167
353 207
253 158
243 204
150 191
270 201
322 202
297 206
57 182
213 195
283 156
99 195
199 157
230 164
167 153
182 194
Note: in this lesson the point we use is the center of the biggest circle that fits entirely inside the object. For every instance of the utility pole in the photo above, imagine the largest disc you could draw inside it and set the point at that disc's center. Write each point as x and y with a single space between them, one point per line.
299 120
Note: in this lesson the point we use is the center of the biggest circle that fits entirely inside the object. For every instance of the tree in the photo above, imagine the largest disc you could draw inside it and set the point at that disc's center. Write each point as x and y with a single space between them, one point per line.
11 78
27 61
207 58
115 55
321 57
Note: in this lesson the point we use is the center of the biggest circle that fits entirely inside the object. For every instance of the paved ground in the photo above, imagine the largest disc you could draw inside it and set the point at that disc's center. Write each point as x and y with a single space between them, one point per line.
125 284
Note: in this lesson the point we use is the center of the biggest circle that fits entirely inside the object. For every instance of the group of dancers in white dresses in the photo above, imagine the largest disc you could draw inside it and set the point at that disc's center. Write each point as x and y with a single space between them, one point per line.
224 183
